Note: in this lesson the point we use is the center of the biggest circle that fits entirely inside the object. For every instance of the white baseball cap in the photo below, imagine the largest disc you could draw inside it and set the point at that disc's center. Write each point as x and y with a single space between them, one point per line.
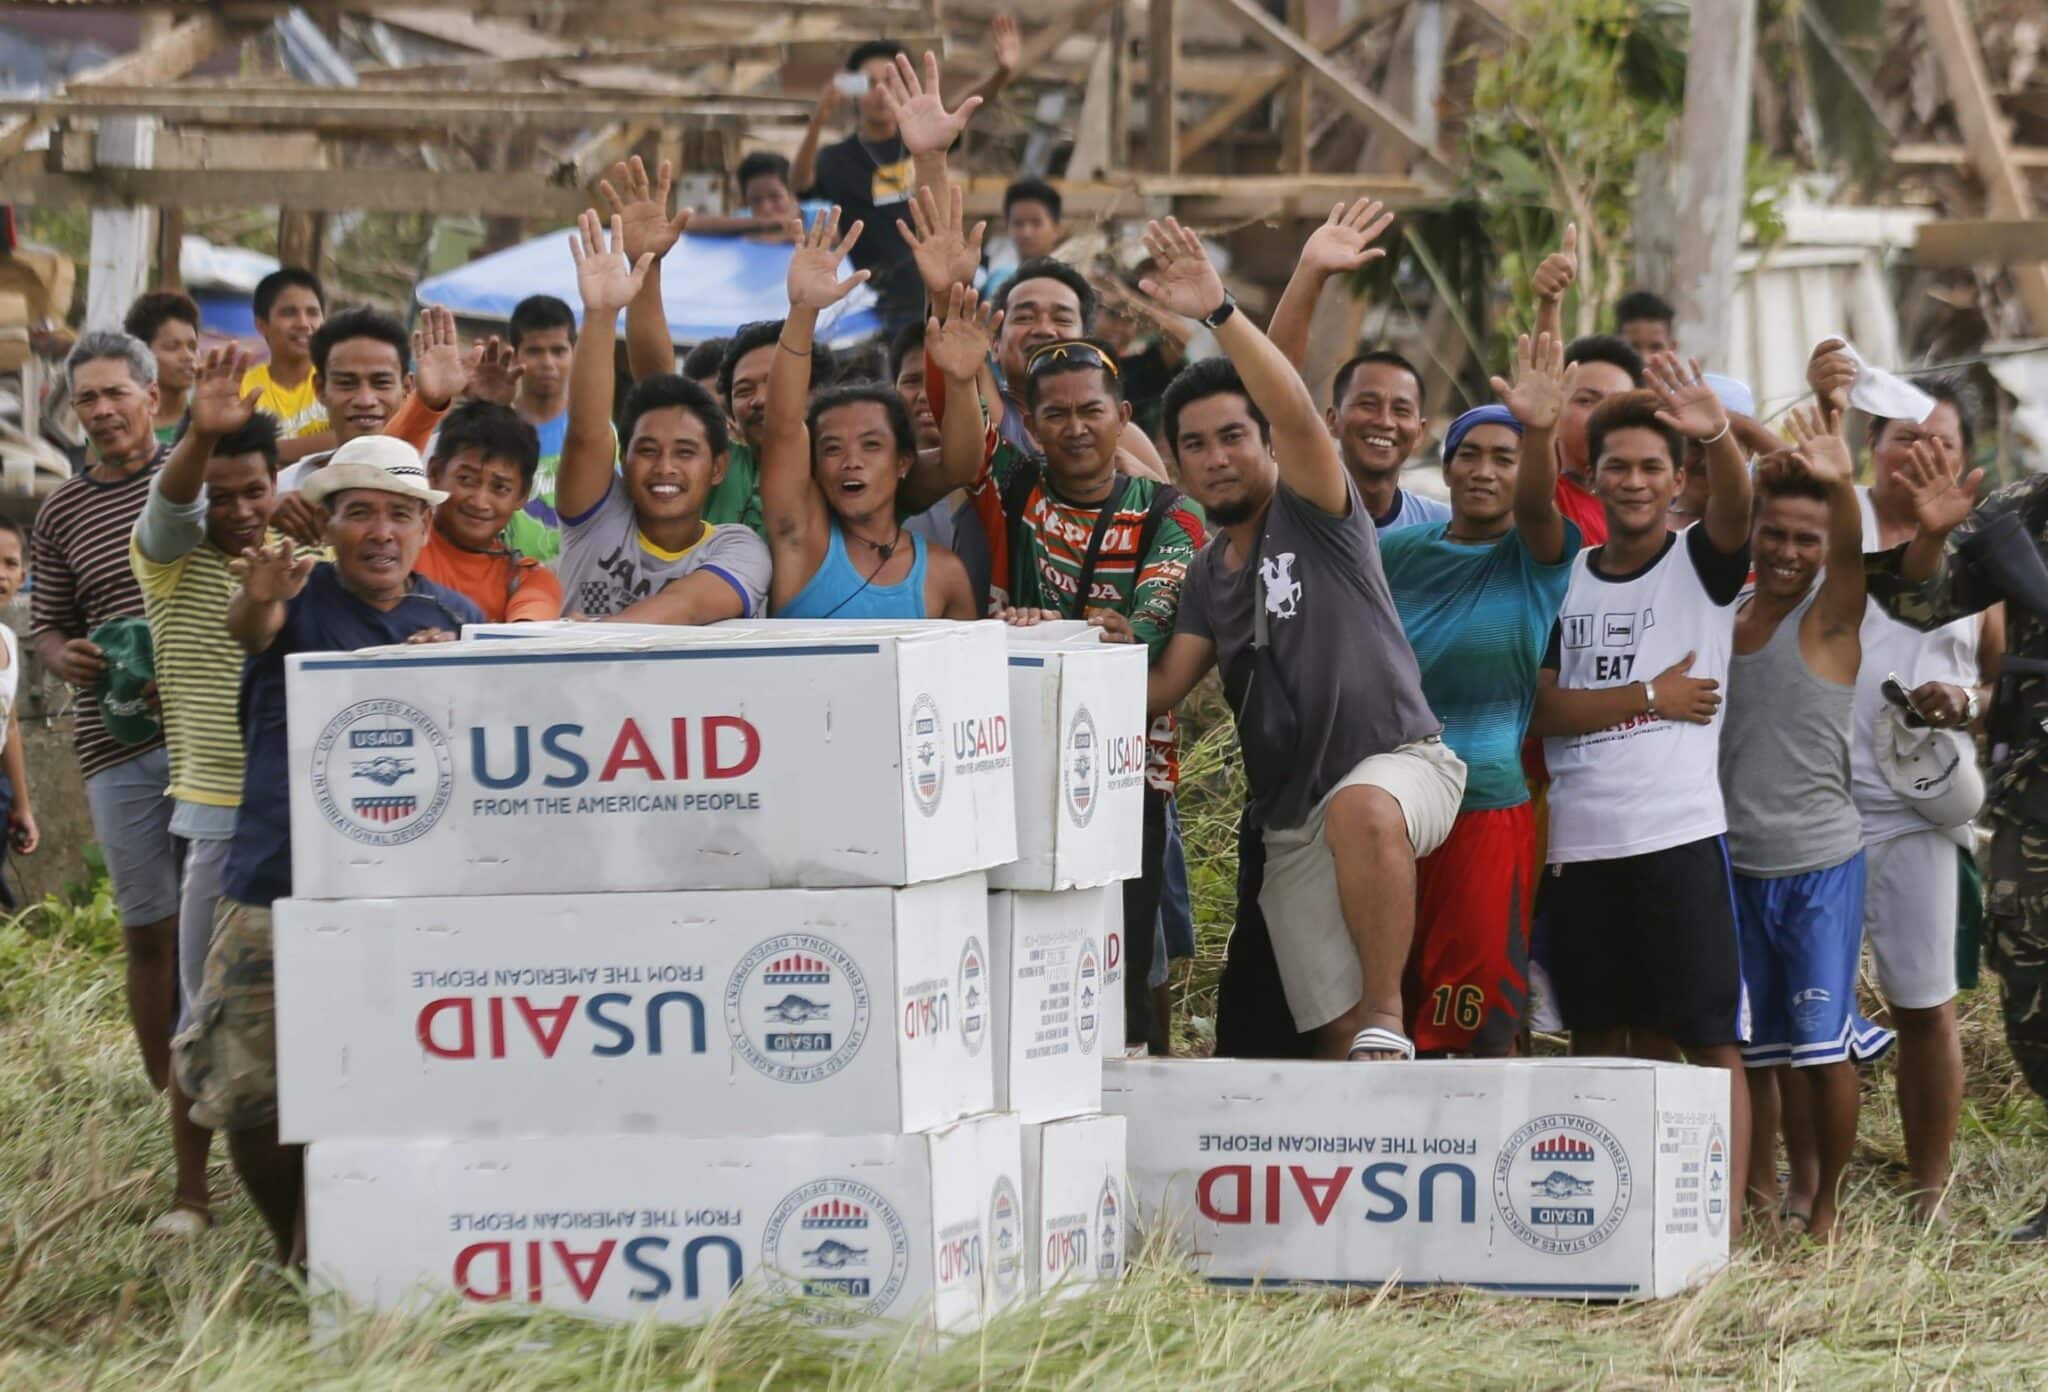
1935 771
380 463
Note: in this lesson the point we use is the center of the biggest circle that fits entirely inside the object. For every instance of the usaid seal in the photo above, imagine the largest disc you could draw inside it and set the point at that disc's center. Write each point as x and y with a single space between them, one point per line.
1006 1238
1714 1181
797 1008
838 1239
973 990
1081 768
382 773
1109 1231
1087 997
924 755
1562 1184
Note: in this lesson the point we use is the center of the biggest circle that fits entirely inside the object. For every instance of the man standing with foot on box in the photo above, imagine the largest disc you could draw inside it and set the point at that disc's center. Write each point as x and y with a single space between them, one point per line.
379 510
1348 765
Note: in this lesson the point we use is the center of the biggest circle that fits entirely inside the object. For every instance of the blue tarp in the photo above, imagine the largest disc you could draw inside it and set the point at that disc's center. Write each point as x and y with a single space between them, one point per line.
711 285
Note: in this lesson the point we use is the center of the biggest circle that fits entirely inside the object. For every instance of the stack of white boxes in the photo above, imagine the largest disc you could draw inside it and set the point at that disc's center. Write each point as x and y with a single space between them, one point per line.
626 964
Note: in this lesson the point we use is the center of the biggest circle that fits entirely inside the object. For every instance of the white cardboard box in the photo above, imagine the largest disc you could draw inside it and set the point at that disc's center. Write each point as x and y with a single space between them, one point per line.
713 1013
926 1228
1578 1178
1076 1202
1048 962
638 760
1077 715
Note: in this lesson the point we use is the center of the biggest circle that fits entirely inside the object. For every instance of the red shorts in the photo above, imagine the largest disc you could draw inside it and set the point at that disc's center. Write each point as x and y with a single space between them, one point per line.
1467 983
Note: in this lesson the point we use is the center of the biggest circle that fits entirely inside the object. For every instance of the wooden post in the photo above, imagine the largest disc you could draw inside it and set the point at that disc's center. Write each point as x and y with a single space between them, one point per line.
1162 145
1294 119
300 239
1120 86
170 244
123 239
1710 179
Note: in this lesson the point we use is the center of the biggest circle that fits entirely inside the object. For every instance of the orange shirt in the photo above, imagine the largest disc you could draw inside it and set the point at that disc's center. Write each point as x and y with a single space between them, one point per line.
485 578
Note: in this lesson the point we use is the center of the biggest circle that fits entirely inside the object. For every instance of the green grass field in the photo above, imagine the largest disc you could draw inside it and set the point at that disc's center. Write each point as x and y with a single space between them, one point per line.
89 1300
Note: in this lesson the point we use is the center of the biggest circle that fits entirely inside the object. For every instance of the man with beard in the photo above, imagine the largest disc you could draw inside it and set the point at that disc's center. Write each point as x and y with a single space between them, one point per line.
636 546
82 580
829 483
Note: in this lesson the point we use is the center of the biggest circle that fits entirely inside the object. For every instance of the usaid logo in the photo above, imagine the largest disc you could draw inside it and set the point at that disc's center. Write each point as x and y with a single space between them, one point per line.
1714 1177
973 988
797 1008
1006 1237
1563 1184
382 773
841 1240
1109 1230
1081 767
1087 998
924 755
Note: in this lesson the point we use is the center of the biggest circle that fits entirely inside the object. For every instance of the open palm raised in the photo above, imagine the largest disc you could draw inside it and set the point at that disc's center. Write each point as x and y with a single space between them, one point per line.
814 281
922 120
957 344
1185 280
605 279
218 406
1690 405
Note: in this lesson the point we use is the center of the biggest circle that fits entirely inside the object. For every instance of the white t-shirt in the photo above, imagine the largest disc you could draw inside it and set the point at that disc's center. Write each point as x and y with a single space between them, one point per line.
1648 783
606 564
1947 654
10 682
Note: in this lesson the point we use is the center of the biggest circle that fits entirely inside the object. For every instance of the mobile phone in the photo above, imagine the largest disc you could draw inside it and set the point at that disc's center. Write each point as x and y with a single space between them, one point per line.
1895 692
852 84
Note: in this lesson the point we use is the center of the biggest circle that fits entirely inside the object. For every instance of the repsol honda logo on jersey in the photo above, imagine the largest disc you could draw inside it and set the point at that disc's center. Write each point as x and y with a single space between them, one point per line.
382 773
924 755
1081 767
839 1239
1087 997
1562 1184
972 984
797 1008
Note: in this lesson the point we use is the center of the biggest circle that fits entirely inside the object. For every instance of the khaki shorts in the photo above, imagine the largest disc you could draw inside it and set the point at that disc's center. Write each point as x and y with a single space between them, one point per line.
1318 962
227 1059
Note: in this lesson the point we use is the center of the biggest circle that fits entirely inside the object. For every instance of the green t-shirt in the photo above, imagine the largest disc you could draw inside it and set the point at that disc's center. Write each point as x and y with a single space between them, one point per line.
737 498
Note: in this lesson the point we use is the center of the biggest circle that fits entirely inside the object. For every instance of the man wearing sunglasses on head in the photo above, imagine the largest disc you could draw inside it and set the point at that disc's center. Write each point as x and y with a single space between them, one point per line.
1074 538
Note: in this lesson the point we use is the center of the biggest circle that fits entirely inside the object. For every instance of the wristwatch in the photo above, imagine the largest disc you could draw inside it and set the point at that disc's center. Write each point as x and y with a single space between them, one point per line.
1970 706
1215 317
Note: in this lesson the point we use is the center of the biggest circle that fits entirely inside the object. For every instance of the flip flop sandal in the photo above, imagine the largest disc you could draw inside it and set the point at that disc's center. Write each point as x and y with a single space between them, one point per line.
1376 1039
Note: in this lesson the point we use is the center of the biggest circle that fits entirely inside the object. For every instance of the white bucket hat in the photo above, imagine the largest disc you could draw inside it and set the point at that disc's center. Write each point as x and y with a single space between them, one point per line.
1935 771
376 462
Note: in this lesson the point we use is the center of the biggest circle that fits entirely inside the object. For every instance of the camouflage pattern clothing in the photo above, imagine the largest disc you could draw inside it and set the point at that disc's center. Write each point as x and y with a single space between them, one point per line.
227 1059
2016 887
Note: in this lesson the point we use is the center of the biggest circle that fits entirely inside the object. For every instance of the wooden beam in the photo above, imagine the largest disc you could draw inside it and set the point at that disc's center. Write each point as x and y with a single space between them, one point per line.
484 194
1162 45
165 60
358 109
1256 89
1294 142
1968 242
1209 197
1359 102
2023 156
1984 132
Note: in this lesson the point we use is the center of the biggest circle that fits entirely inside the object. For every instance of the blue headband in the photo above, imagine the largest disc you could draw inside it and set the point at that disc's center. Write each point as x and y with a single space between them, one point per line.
1495 414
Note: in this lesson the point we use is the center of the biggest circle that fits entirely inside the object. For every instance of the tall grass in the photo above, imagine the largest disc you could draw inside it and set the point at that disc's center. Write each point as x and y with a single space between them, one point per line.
94 1302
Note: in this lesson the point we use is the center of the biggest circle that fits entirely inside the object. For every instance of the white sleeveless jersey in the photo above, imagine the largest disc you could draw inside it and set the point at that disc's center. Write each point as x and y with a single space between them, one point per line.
1648 783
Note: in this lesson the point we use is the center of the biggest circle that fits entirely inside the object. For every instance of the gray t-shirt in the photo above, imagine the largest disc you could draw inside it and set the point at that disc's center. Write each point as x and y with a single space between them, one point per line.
1336 637
607 565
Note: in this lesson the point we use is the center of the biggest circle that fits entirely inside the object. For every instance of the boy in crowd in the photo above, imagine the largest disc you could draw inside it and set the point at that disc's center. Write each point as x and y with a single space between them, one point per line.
636 546
210 503
1642 947
484 459
1794 840
378 507
543 334
1645 320
701 363
763 177
831 471
1031 216
167 323
1352 778
290 307
1477 596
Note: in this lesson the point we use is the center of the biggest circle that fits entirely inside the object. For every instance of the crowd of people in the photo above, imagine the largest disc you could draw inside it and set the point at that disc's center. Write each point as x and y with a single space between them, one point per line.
1640 736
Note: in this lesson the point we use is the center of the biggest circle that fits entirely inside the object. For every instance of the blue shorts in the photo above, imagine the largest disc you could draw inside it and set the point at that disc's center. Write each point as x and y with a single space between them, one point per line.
1801 939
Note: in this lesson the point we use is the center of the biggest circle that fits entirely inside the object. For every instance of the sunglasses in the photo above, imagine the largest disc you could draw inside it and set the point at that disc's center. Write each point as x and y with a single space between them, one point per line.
1073 353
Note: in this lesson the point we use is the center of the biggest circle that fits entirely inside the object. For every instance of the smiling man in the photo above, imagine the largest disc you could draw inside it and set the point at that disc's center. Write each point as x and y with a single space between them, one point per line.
484 460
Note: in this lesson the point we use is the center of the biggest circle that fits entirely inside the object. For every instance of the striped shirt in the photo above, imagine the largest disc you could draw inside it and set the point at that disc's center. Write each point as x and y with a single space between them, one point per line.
80 562
186 586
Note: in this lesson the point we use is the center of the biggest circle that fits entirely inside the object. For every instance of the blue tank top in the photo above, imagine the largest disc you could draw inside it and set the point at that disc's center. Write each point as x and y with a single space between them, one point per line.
839 591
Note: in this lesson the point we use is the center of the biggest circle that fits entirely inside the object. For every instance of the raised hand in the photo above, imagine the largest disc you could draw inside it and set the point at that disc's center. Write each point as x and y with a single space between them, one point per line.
1542 382
922 120
606 277
439 373
643 208
1345 240
298 519
273 574
1941 499
1820 448
958 343
494 371
1185 280
814 281
1690 406
1008 42
217 405
1831 372
945 252
1559 269
1678 695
